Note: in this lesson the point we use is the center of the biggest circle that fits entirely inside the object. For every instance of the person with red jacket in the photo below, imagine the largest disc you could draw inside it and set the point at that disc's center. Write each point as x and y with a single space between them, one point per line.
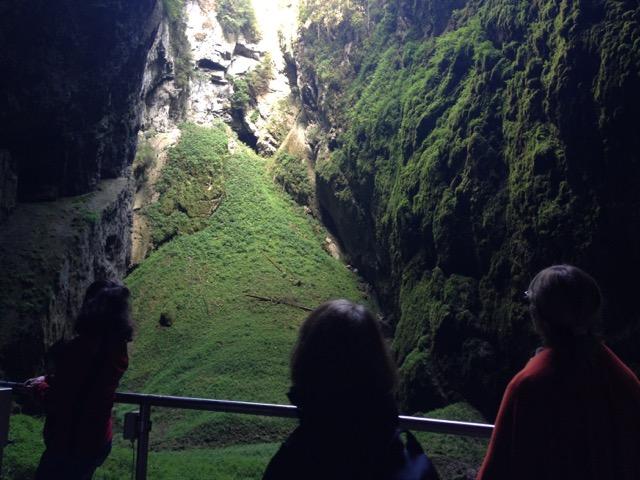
573 412
78 397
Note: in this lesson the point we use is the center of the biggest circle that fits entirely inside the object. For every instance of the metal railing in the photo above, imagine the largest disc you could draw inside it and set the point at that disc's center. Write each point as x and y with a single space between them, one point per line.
146 401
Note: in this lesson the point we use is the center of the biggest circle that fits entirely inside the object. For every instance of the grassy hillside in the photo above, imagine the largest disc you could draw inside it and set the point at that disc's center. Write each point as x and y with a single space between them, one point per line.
222 343
227 463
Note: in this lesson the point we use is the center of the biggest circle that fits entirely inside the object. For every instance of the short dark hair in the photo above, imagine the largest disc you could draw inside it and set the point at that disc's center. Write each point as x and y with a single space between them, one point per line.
341 352
105 311
565 304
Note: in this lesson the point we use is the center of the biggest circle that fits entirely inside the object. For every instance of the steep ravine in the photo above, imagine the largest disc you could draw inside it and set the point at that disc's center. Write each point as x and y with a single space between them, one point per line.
232 77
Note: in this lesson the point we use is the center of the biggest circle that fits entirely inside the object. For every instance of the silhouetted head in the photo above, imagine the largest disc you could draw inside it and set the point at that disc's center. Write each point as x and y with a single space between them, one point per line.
565 304
341 356
105 311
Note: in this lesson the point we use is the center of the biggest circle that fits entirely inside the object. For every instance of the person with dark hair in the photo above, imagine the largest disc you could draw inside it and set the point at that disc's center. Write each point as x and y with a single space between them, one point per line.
343 383
78 394
574 410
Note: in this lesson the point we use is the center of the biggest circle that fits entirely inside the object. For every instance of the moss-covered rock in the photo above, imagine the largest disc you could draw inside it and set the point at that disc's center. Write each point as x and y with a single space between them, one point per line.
191 185
473 144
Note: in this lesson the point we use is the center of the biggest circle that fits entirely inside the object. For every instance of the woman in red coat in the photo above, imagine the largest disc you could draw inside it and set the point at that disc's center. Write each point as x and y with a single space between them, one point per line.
78 397
573 412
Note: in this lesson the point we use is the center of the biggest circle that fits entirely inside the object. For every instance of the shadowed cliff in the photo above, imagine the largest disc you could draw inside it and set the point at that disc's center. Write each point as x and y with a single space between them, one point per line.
69 114
467 145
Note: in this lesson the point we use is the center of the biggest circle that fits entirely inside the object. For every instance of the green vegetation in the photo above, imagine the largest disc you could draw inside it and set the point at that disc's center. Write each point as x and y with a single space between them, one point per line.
453 456
259 77
470 150
240 99
22 455
144 161
174 12
247 89
291 173
238 462
191 185
223 343
238 18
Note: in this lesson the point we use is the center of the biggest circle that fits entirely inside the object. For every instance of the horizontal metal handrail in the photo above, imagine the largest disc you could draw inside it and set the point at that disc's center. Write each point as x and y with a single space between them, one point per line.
290 411
287 411
146 401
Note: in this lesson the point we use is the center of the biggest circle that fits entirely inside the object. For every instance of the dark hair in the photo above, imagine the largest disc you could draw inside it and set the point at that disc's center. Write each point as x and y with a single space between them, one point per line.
340 353
565 304
105 311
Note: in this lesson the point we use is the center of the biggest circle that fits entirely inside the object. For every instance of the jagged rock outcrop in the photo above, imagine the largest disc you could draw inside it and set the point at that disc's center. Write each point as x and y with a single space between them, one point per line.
457 167
212 54
69 111
228 68
163 98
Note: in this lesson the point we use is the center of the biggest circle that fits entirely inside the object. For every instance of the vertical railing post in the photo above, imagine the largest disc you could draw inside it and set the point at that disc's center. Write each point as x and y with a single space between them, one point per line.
144 426
5 413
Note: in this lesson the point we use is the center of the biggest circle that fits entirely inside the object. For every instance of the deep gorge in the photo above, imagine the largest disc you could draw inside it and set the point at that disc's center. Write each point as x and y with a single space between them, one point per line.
444 150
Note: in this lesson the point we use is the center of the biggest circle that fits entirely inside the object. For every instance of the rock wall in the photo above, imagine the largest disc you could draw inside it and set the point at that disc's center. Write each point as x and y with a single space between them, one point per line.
50 253
220 59
468 145
71 78
218 64
163 99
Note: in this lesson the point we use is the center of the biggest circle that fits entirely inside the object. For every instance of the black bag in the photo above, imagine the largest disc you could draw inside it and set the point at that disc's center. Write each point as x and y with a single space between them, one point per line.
415 465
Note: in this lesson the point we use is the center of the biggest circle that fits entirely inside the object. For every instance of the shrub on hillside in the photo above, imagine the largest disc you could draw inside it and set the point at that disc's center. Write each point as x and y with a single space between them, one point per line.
192 184
144 161
238 18
291 173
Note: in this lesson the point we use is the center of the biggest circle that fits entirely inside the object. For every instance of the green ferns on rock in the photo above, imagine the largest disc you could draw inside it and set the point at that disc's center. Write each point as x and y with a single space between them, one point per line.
247 89
238 18
478 143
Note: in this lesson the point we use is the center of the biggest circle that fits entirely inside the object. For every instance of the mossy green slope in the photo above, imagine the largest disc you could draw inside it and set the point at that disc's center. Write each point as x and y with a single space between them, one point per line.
479 142
223 343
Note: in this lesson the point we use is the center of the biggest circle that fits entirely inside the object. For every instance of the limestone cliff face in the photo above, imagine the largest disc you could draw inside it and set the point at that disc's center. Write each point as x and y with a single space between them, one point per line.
162 97
72 76
50 253
224 63
466 146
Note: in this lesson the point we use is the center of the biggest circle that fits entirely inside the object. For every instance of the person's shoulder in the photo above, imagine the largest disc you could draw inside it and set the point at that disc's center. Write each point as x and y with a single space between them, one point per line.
534 375
619 369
